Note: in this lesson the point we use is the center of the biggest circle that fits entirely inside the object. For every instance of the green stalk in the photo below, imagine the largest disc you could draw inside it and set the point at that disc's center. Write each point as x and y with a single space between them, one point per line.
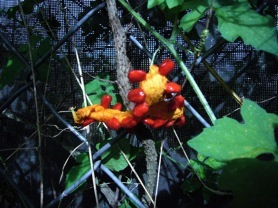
170 47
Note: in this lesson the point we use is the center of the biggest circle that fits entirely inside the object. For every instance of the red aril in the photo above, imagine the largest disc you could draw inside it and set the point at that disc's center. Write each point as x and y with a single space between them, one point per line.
129 122
136 95
172 87
113 123
118 106
148 121
105 101
136 76
166 67
159 123
87 121
140 109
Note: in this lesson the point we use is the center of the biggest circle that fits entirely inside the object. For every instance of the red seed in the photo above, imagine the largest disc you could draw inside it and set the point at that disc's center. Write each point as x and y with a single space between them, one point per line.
140 109
177 102
172 87
166 67
180 121
169 123
148 121
105 101
113 123
129 122
136 95
118 106
159 123
87 121
136 76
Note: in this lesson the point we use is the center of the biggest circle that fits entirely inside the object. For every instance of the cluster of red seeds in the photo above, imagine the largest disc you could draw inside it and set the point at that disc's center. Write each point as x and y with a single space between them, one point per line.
157 102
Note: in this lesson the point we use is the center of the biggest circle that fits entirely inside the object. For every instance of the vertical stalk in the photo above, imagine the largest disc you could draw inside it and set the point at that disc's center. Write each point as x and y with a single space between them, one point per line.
36 103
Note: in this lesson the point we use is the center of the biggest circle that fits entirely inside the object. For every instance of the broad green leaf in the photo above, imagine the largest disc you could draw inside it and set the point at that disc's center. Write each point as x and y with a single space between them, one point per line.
113 158
173 3
76 172
254 183
198 168
99 87
10 71
229 139
153 3
221 3
127 203
190 19
211 162
238 20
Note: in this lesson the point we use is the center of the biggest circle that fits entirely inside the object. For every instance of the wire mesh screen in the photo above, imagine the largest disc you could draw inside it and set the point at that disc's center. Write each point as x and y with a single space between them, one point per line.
251 74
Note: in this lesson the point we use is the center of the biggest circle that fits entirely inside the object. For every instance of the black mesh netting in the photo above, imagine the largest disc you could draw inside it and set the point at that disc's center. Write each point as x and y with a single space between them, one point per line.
251 74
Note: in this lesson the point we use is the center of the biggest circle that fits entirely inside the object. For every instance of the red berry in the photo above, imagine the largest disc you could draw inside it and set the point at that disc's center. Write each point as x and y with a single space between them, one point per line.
180 121
172 87
105 101
129 122
179 100
87 121
118 106
169 124
136 76
113 123
140 109
176 102
136 95
166 67
159 123
148 121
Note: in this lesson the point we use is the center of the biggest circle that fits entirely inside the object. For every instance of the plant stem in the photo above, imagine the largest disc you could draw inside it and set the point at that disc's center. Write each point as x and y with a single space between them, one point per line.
151 163
122 60
176 56
36 105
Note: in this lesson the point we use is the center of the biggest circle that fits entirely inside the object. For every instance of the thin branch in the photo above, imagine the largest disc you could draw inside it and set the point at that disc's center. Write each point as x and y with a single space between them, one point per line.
87 128
137 176
36 103
158 172
70 155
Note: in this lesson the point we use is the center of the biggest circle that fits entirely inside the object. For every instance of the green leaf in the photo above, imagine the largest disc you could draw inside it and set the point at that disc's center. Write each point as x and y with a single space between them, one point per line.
198 168
127 203
173 3
211 162
76 172
190 19
10 71
229 139
221 3
238 20
153 3
254 183
99 87
113 158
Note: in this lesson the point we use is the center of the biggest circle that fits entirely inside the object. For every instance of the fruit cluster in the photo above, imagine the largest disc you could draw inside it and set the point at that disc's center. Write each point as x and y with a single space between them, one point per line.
156 102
